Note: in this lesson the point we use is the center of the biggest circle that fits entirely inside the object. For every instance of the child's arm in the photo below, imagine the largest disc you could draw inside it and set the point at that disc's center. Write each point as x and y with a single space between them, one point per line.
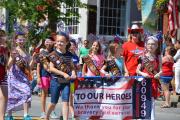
58 72
157 76
38 73
10 62
73 75
84 69
31 64
139 72
103 70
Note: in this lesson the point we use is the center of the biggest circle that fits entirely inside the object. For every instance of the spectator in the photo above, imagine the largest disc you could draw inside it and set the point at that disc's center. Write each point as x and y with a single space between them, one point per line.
177 67
132 49
167 73
84 50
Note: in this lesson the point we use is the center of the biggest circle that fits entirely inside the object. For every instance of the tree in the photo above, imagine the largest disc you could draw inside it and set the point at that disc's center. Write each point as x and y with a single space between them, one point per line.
35 12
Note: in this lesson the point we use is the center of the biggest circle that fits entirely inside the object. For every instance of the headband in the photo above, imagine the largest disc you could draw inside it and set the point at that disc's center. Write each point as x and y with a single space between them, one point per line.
152 38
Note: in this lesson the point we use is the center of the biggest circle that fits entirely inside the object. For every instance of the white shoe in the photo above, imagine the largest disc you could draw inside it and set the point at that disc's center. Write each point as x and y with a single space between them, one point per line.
43 115
53 115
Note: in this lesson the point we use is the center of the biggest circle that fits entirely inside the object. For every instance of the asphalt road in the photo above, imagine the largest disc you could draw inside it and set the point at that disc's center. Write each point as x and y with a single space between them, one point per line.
161 114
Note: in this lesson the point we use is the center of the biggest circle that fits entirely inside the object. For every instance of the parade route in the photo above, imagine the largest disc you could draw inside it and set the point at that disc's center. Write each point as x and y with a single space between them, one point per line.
161 113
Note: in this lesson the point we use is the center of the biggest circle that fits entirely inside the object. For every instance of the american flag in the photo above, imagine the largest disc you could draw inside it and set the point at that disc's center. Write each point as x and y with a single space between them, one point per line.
173 17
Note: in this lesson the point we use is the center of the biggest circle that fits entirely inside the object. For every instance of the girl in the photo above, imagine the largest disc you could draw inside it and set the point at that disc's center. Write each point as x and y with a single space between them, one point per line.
62 69
94 61
177 67
115 62
149 67
43 76
18 79
75 59
3 79
167 71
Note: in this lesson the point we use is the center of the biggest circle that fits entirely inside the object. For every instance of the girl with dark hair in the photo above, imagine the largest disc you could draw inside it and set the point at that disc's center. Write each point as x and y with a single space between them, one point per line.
94 61
43 74
75 59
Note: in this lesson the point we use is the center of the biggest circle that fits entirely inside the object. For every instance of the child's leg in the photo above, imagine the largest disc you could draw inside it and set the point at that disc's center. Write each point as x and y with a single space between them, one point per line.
152 109
26 109
165 88
65 110
3 101
43 100
55 93
71 109
65 100
51 107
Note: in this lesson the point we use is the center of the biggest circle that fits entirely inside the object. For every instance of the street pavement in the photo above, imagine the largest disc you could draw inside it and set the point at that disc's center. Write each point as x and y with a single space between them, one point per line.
161 113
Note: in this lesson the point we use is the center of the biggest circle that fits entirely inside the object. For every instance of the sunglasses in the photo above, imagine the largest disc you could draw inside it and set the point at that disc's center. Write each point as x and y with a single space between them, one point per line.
134 32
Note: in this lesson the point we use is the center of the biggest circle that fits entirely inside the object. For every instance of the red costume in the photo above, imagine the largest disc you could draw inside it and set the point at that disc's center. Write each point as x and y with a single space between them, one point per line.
167 68
151 68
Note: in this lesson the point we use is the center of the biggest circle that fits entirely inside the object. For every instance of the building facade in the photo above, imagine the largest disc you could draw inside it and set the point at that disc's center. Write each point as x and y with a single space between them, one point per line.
107 18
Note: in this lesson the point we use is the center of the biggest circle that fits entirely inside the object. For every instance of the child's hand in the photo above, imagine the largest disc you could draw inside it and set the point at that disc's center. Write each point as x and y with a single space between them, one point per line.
145 75
73 76
107 75
126 74
66 76
157 76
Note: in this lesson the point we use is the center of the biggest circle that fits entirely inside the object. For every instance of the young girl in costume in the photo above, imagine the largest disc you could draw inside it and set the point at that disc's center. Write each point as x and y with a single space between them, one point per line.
94 61
43 75
19 90
149 67
62 70
3 76
115 62
75 59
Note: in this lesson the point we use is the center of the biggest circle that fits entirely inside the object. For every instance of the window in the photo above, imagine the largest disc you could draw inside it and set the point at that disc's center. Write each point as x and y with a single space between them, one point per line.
112 17
72 23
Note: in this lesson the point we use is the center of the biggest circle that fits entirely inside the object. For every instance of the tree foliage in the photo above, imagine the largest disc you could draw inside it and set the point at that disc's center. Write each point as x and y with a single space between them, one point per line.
161 6
37 11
